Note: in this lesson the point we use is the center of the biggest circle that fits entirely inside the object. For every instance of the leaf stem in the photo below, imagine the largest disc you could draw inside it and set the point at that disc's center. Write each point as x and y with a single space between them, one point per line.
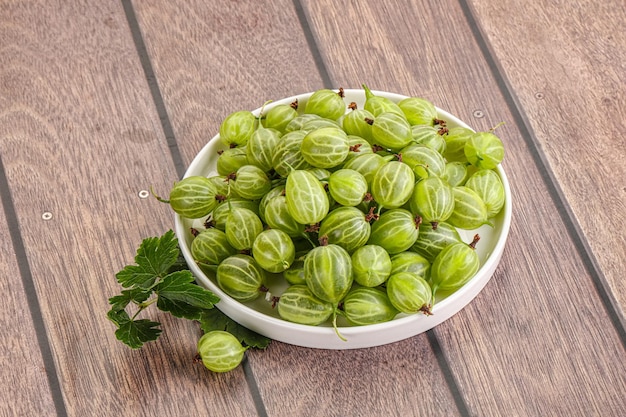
335 311
162 200
143 306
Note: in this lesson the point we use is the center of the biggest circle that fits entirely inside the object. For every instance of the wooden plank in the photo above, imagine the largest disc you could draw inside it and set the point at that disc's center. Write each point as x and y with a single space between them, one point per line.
21 362
567 68
80 139
202 81
400 379
522 347
236 56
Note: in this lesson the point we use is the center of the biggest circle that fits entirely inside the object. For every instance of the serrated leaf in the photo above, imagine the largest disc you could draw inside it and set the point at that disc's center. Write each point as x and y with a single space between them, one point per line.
135 333
179 295
136 276
155 256
216 320
179 265
134 295
119 317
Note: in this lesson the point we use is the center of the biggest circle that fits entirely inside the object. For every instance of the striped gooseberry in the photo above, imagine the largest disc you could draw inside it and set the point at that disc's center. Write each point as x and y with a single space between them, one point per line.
424 161
456 138
391 131
367 164
242 227
392 185
219 216
488 185
409 293
277 217
371 265
347 187
279 116
237 128
429 136
325 147
396 230
433 200
470 212
364 306
298 304
193 197
418 111
222 186
326 103
231 159
260 147
241 277
274 192
377 105
315 124
220 351
328 272
287 155
409 261
306 198
347 227
211 247
484 150
456 173
251 182
299 121
273 250
431 241
321 174
455 265
356 123
328 275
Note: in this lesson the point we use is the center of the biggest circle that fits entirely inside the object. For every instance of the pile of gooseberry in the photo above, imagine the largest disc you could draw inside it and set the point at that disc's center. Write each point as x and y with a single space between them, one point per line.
357 210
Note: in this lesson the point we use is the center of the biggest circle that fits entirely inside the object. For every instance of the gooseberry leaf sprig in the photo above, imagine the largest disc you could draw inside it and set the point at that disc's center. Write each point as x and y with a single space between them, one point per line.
156 278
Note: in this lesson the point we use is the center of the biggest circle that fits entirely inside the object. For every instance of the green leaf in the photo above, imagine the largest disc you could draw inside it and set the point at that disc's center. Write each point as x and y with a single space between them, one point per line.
216 320
179 295
155 256
118 317
179 265
135 333
134 295
136 276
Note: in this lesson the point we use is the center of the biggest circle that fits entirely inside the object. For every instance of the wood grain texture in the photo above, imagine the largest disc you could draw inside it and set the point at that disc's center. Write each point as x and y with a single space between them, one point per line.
566 62
235 56
80 138
277 65
522 347
21 362
401 379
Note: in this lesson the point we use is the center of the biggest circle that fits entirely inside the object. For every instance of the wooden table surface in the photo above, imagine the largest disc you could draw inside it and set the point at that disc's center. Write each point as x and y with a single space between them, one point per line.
100 100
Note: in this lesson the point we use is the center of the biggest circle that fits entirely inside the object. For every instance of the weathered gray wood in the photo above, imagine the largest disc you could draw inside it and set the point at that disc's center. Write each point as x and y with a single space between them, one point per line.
526 337
223 68
214 60
566 64
21 362
80 139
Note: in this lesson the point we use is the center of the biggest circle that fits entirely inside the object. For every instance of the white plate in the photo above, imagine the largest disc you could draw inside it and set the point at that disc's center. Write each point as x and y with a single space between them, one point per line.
260 317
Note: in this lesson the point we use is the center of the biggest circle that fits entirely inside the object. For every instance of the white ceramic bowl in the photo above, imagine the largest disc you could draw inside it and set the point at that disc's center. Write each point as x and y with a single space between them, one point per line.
260 317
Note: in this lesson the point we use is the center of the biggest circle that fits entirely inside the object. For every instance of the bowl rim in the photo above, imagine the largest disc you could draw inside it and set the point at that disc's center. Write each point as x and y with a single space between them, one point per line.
285 331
